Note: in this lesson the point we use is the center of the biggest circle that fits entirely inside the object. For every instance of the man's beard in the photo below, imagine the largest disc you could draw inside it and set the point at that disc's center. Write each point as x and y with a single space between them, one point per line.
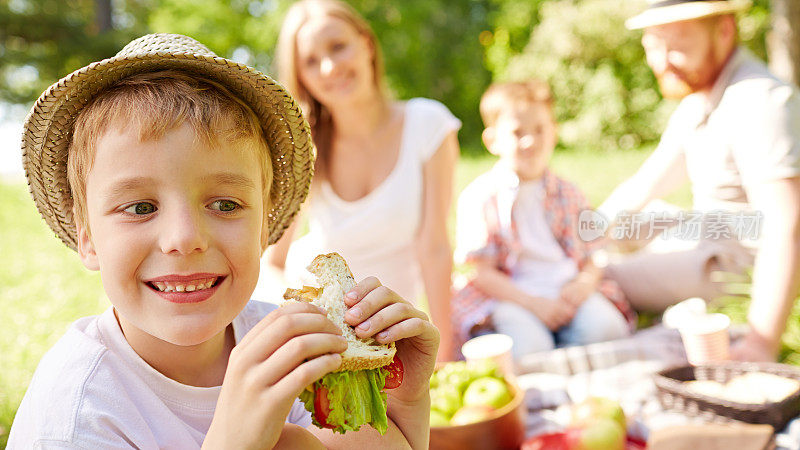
676 84
673 86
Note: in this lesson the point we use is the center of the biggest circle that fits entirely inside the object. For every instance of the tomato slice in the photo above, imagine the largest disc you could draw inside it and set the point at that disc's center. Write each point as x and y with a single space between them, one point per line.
395 377
322 406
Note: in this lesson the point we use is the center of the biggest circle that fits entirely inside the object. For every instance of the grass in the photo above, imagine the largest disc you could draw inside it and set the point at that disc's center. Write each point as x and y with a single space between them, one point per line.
44 287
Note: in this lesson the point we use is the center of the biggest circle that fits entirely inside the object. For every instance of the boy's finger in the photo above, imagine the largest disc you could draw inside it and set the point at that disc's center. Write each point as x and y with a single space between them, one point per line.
303 375
297 350
387 316
408 328
360 290
373 301
281 330
263 324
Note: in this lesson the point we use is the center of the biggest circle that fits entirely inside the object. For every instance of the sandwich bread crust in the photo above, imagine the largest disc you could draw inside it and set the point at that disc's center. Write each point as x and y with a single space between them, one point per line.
335 280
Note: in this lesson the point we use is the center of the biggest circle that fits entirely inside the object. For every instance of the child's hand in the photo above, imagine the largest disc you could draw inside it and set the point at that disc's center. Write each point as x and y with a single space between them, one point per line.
289 349
577 291
553 313
377 311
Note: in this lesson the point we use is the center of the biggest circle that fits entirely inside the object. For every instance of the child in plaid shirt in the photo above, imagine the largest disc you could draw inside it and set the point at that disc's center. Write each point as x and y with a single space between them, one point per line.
517 231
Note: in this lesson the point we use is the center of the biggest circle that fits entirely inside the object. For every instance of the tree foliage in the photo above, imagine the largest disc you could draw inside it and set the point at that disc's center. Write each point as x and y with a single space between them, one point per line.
606 96
442 49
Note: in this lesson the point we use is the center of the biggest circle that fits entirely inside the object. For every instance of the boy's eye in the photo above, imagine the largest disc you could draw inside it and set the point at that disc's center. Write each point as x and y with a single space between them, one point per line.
141 208
225 205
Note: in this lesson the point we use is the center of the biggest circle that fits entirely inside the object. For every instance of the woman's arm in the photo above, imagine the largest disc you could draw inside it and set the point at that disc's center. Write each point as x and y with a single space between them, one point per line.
433 246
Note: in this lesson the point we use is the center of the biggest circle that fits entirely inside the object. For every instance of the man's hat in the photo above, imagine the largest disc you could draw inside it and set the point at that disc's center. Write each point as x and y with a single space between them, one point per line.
659 12
49 126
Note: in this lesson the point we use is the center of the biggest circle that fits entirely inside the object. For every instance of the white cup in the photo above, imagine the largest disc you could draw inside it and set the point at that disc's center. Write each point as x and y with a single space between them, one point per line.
496 347
679 313
705 338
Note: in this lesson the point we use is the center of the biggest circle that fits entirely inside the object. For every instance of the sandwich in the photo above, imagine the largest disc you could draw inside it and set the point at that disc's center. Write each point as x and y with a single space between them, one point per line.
353 394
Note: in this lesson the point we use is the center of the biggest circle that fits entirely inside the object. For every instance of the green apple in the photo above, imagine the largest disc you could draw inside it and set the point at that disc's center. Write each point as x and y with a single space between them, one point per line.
595 408
487 391
439 419
446 399
599 434
452 367
459 379
484 368
471 414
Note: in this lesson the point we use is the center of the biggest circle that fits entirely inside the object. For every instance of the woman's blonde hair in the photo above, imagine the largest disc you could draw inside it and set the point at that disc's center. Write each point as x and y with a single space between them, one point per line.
319 118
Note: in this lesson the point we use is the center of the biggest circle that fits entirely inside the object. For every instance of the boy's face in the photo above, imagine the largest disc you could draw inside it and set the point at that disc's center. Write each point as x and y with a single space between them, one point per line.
524 136
175 231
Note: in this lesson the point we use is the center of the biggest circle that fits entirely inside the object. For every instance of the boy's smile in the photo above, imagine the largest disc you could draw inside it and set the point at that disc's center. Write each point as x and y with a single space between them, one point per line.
175 226
193 288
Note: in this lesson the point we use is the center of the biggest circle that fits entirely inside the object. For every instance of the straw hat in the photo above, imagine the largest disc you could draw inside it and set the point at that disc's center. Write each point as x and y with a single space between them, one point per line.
48 128
659 12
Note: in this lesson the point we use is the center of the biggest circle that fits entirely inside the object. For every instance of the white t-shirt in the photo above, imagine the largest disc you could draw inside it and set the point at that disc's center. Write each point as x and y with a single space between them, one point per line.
377 233
745 132
542 267
91 390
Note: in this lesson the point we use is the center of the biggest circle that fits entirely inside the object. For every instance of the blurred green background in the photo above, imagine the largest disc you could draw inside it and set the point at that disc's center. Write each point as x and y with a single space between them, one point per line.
448 50
609 110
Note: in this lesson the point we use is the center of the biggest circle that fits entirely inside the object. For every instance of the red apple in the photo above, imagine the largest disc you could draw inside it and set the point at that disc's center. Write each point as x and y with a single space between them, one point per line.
471 414
599 434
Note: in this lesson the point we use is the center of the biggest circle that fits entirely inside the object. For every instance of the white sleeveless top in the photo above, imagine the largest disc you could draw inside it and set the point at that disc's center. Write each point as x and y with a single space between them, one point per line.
376 233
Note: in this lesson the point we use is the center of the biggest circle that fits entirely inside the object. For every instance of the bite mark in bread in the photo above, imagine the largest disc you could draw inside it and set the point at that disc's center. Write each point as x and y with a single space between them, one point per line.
335 280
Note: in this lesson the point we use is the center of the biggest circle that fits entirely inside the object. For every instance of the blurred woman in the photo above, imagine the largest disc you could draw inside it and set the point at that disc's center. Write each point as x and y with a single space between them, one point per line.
383 183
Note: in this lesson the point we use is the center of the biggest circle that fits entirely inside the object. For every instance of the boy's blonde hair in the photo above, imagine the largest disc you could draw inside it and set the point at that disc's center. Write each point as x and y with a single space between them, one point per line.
500 96
155 103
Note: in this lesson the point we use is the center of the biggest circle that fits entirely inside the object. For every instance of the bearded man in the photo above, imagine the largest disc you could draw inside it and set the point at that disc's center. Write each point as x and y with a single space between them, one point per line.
736 136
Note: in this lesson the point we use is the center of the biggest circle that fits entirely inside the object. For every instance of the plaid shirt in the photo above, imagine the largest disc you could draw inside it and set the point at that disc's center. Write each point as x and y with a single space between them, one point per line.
562 203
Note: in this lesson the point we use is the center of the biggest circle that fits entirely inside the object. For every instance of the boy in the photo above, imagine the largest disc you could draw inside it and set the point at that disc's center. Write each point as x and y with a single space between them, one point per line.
181 167
517 228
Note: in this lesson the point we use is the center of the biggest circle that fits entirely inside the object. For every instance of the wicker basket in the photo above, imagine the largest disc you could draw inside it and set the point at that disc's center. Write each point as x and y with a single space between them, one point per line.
673 394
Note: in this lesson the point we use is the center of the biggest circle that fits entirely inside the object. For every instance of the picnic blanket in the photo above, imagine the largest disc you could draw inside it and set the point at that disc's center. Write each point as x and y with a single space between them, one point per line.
622 370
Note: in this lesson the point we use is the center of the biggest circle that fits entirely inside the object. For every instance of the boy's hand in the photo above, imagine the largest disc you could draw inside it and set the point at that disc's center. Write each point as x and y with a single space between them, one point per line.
553 313
377 311
577 291
286 351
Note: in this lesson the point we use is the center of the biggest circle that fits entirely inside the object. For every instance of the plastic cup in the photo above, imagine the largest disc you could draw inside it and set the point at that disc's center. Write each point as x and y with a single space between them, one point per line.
705 338
496 347
679 313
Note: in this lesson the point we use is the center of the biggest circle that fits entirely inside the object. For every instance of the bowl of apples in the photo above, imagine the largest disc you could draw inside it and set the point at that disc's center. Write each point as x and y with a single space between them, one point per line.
474 406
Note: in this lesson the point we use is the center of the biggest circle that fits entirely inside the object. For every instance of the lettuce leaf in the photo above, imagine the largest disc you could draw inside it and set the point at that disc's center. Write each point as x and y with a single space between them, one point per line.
355 399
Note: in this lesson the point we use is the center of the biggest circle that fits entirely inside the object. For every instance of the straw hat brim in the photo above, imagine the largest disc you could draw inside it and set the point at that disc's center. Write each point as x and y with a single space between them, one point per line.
685 11
48 132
